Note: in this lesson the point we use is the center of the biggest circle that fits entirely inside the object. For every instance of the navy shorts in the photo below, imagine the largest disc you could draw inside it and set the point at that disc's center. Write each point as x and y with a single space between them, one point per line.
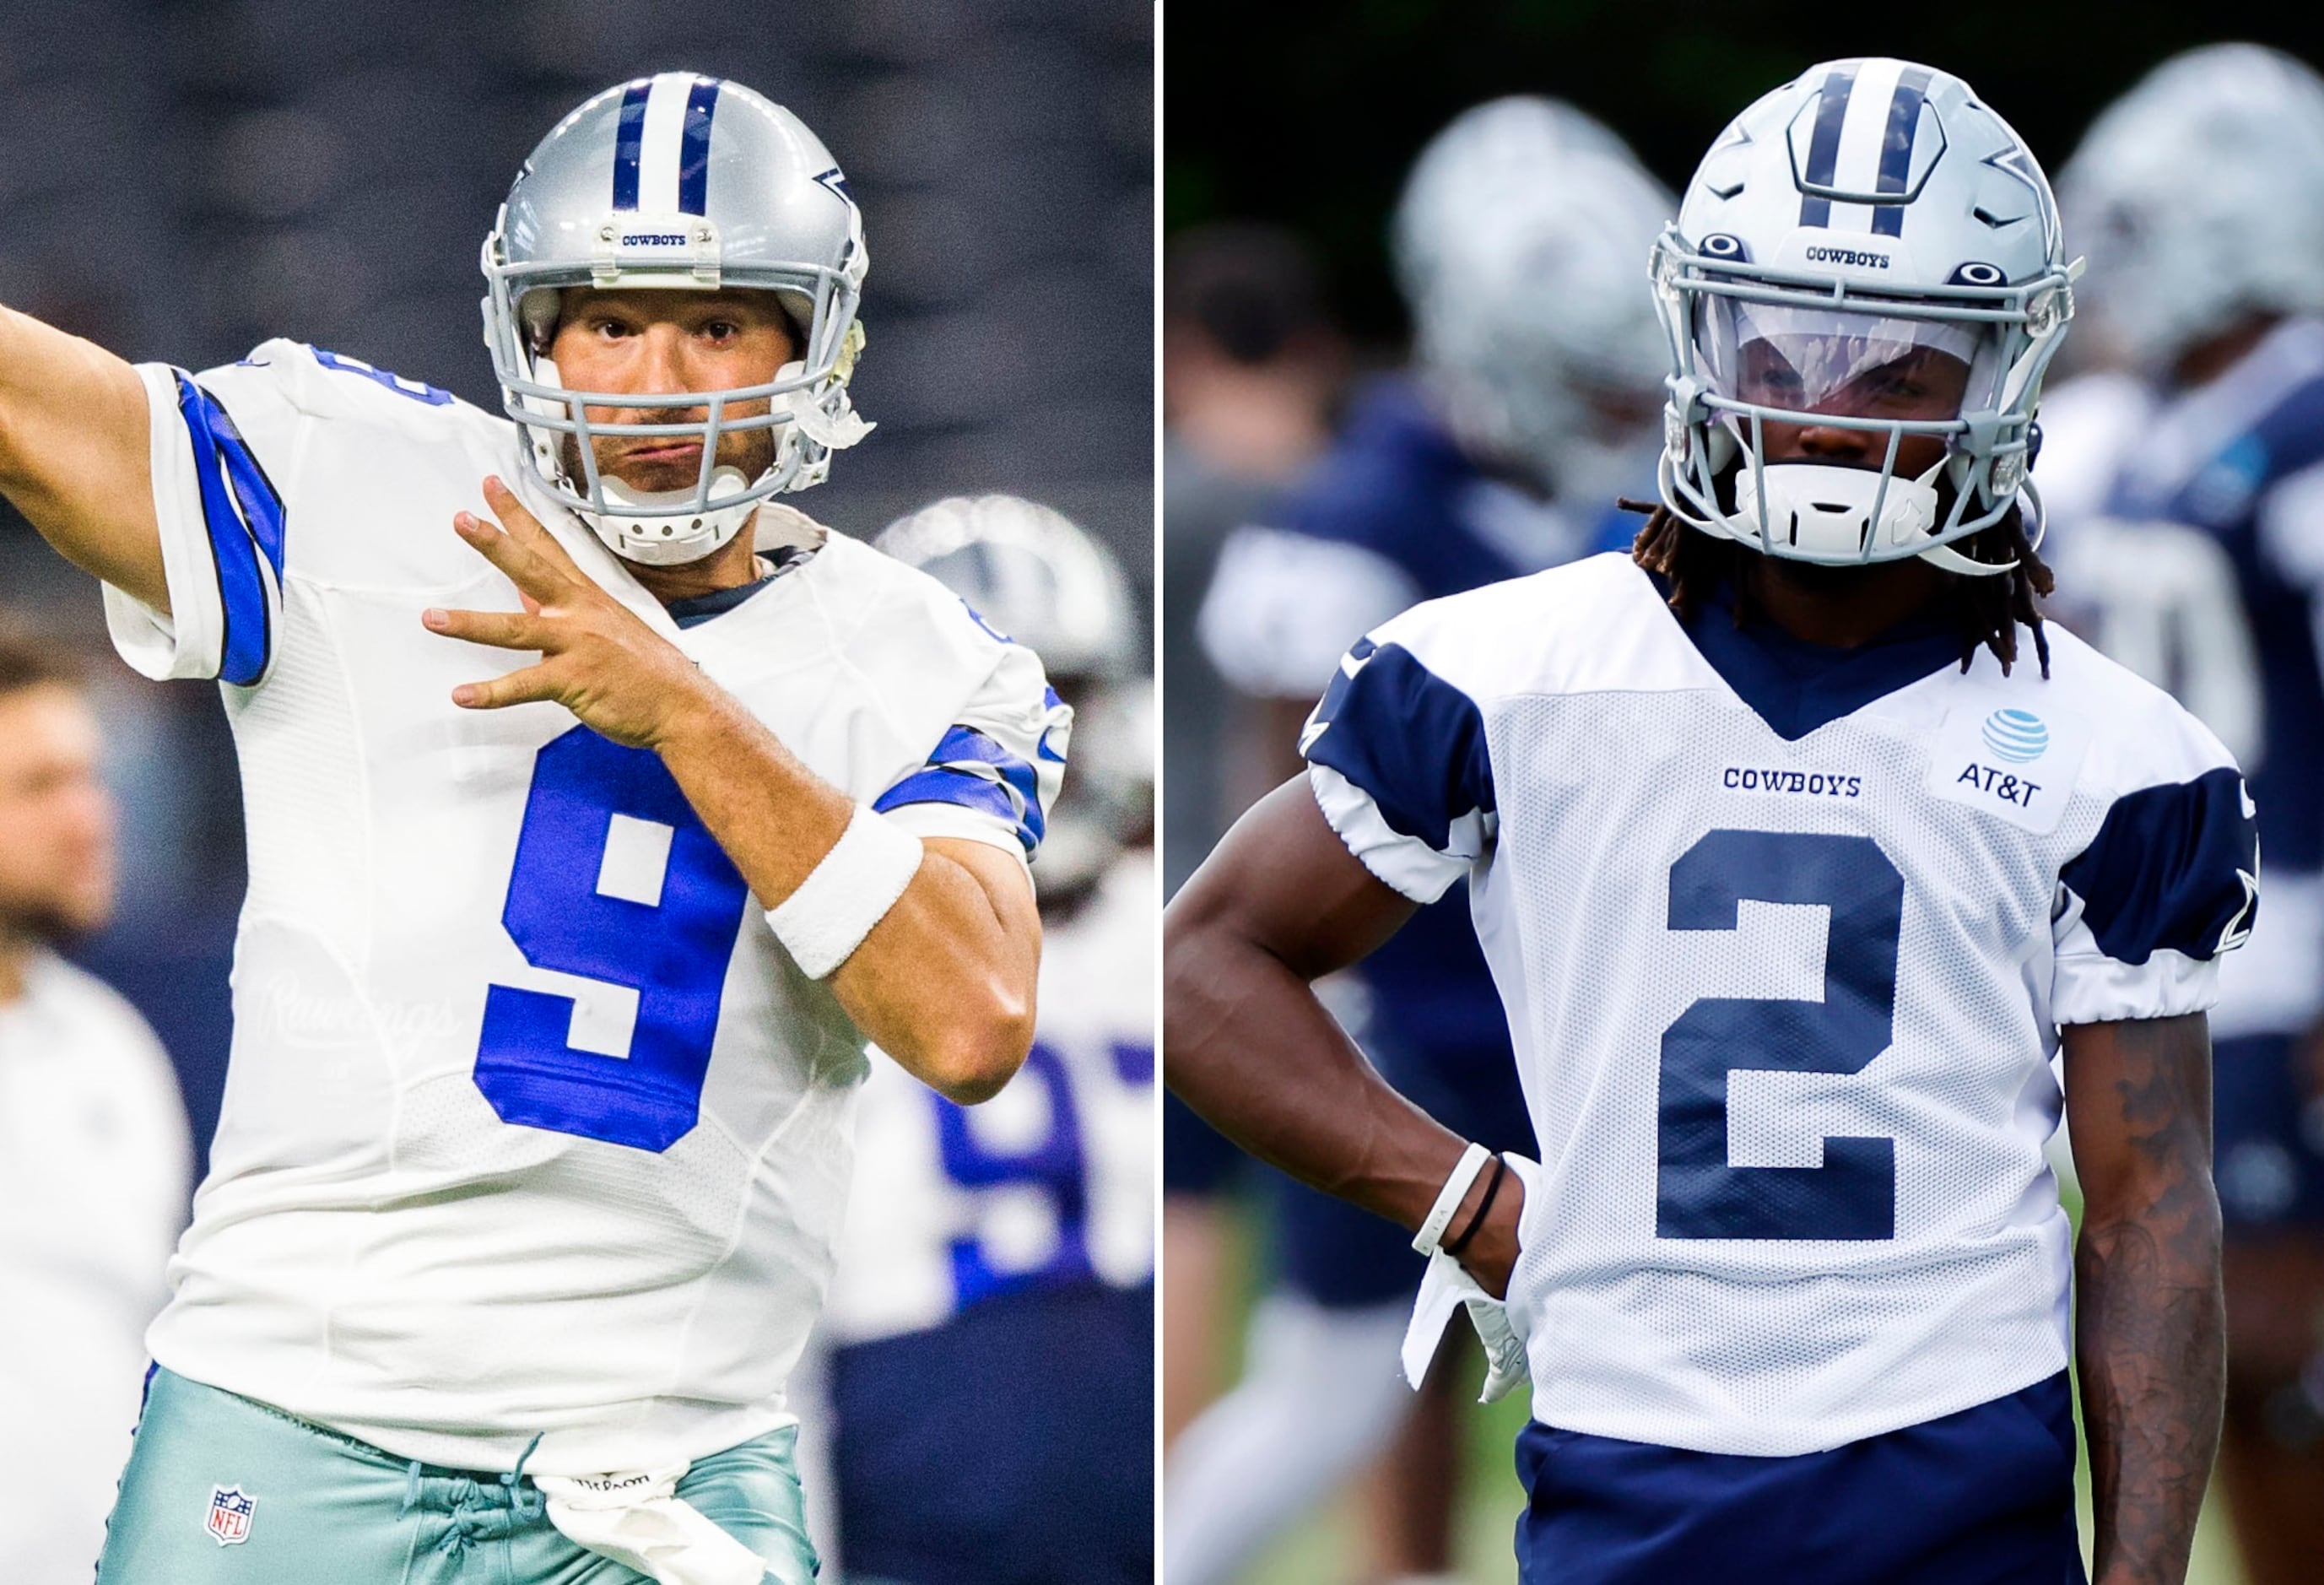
1985 1496
2268 1136
1012 1445
1343 1258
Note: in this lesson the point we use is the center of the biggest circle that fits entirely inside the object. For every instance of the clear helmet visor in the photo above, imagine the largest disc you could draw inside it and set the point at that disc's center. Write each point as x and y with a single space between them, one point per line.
1849 363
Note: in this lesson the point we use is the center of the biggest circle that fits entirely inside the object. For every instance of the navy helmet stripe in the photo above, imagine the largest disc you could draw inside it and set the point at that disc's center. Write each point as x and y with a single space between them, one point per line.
1824 148
1897 149
693 154
627 139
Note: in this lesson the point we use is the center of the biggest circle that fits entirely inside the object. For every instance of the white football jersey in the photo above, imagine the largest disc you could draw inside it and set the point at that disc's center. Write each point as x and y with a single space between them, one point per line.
531 1126
1051 1181
1785 942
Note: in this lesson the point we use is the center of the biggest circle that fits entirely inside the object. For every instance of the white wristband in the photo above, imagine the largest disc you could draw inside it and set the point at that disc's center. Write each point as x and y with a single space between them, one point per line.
1448 1198
849 891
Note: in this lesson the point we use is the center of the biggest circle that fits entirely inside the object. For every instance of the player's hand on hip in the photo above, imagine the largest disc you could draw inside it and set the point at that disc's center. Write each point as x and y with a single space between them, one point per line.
1492 1254
597 659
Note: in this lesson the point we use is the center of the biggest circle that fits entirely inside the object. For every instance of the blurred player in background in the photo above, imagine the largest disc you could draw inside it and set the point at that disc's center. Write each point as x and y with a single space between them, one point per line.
1252 368
992 1316
555 975
1517 243
94 1155
1798 848
2188 483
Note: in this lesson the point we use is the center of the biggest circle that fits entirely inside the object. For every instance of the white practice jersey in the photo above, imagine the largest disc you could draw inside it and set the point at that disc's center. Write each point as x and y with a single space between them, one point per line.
1784 939
94 1166
531 1127
1049 1182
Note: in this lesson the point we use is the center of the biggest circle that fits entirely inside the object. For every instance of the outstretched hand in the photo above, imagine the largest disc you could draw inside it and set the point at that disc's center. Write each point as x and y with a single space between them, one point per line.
617 675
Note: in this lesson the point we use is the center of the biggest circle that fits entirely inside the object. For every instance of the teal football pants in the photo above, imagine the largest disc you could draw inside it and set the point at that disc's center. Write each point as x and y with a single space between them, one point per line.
325 1509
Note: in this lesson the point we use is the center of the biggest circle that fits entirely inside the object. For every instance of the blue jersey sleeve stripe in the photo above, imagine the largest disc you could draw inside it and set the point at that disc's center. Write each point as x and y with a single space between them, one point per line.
243 516
1411 740
945 785
2172 867
970 768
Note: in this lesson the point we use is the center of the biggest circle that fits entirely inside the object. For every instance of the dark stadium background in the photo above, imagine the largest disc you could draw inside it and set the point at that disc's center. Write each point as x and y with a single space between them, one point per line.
182 179
1307 115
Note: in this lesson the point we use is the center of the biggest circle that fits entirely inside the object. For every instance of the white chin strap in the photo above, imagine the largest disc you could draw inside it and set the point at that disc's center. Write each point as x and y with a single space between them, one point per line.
670 536
1824 514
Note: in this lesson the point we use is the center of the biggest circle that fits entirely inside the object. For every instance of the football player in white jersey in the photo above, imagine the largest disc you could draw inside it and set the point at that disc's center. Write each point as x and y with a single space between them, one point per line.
588 848
992 1315
1795 865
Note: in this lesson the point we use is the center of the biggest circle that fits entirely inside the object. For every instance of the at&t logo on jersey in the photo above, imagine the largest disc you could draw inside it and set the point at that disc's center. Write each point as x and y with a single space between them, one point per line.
2007 760
228 1522
2017 736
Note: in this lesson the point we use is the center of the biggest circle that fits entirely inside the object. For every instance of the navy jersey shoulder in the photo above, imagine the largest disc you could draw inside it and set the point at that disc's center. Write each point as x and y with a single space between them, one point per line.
1392 484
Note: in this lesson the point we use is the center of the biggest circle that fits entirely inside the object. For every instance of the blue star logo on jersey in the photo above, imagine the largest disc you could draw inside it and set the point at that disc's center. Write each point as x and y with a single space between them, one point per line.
2017 736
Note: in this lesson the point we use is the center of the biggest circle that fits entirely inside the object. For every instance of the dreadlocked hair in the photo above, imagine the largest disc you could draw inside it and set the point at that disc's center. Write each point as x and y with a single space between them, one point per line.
1989 609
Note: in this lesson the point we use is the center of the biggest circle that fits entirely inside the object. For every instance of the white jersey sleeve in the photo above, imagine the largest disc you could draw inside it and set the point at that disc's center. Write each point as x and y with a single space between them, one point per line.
2168 882
1397 760
997 769
222 516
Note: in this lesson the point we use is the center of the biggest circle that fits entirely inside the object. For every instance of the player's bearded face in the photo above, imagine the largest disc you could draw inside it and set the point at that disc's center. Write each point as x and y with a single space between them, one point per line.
56 820
665 343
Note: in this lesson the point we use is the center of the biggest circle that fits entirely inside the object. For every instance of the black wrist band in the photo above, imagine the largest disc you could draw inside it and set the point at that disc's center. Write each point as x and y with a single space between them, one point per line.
1454 1246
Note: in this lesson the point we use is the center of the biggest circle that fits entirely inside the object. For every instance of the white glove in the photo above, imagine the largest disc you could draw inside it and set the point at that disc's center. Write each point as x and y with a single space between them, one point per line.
640 1520
1447 1286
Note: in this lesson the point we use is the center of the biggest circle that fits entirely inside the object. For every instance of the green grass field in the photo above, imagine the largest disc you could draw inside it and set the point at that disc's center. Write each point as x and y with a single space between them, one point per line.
1325 1551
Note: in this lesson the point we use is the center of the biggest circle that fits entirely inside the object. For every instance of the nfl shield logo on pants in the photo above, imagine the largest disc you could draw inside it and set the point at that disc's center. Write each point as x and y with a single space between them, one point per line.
229 1518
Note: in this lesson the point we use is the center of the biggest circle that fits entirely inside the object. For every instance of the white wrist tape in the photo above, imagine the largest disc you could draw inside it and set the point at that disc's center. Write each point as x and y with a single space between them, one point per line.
849 891
1448 1198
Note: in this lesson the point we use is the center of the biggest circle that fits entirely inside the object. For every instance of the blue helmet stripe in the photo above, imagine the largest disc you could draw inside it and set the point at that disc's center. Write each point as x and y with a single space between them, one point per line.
1824 148
693 152
1897 149
627 137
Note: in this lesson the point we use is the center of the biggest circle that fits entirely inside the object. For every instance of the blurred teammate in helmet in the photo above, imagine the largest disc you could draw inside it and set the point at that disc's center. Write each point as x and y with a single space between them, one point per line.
1517 243
548 1019
2188 479
1798 848
992 1316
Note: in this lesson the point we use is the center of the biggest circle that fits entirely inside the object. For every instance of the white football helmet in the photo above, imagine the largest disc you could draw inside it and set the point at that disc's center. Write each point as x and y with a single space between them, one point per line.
686 183
2200 197
1516 245
1867 210
1030 573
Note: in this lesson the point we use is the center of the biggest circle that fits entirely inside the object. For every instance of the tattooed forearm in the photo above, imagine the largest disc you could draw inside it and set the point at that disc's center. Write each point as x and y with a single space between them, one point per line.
2150 1324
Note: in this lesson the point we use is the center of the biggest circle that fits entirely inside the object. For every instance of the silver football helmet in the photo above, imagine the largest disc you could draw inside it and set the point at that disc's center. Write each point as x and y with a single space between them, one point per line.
686 183
1030 572
1516 245
1870 216
2201 196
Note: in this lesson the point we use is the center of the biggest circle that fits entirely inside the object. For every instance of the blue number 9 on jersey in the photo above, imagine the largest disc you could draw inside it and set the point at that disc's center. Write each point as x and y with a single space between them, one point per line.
1853 1195
672 950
